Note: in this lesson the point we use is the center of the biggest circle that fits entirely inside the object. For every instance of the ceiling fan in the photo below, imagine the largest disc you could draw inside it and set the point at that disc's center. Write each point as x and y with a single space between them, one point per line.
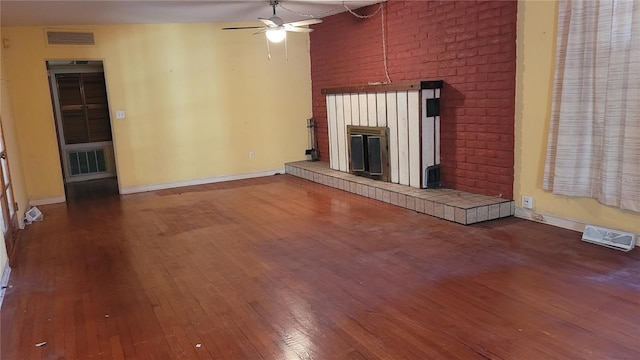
276 29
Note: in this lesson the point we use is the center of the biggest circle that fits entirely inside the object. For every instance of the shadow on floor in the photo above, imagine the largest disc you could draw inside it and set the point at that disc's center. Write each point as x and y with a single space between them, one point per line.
91 190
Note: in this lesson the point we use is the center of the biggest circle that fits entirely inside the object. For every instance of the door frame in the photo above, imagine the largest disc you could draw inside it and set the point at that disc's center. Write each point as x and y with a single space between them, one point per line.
75 67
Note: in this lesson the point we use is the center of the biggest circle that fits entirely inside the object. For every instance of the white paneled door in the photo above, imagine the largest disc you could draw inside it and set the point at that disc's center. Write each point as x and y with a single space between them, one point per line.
8 218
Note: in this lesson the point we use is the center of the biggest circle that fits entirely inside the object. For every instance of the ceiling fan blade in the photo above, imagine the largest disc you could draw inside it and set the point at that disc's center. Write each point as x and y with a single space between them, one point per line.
243 27
268 22
305 22
297 29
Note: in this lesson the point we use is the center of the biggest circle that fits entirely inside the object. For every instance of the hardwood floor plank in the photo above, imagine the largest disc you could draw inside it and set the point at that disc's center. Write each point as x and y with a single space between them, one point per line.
281 268
116 347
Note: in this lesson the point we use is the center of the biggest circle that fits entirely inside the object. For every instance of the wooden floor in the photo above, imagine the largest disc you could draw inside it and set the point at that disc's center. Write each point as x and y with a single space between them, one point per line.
92 190
282 268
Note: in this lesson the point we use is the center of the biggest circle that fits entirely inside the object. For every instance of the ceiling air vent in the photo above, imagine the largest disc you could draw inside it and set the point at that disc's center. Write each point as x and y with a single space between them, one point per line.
70 38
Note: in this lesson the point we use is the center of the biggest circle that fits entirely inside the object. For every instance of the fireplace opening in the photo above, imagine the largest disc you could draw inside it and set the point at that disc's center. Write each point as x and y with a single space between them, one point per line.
368 152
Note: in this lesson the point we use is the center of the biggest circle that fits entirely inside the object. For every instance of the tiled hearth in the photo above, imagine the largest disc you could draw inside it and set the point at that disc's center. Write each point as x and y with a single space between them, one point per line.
453 205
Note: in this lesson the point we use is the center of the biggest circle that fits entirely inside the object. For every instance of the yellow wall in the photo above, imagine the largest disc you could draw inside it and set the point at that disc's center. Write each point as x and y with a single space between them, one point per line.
13 148
13 152
536 51
197 101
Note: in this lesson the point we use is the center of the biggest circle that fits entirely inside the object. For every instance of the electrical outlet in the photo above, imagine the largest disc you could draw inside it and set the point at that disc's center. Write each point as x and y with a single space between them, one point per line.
120 114
251 155
527 202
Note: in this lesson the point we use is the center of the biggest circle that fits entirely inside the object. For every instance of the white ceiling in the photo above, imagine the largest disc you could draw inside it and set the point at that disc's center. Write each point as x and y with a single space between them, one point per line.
94 12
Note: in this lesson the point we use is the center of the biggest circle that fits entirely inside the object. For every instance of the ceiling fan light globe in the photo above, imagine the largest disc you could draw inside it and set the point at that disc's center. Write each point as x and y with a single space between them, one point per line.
276 35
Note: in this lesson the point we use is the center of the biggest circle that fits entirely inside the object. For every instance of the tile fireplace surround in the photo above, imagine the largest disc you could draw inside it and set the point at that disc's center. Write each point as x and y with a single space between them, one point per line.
453 205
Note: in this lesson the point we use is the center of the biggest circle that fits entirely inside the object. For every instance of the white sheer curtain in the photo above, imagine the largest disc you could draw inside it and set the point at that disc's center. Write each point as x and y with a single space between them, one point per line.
594 136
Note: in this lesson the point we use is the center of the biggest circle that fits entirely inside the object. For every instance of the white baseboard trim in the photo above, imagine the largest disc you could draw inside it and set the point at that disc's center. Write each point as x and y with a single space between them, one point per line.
543 218
177 184
554 220
4 281
47 201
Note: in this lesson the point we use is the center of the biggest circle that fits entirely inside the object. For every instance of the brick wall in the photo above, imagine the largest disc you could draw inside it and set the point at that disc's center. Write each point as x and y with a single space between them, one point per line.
470 45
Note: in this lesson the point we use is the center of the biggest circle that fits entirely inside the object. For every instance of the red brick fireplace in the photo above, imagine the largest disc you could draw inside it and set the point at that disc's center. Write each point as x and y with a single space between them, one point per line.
470 45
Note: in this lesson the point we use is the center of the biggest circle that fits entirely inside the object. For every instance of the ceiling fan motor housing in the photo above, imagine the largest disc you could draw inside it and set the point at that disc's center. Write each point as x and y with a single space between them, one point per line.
276 20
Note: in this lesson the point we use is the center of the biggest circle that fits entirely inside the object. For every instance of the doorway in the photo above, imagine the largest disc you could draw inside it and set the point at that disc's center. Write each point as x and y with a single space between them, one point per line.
83 123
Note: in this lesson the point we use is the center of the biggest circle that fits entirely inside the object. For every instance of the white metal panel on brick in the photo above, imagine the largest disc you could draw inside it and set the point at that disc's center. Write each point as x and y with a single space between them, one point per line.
362 104
381 109
341 132
392 124
413 138
403 138
333 132
346 103
372 110
355 110
413 120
